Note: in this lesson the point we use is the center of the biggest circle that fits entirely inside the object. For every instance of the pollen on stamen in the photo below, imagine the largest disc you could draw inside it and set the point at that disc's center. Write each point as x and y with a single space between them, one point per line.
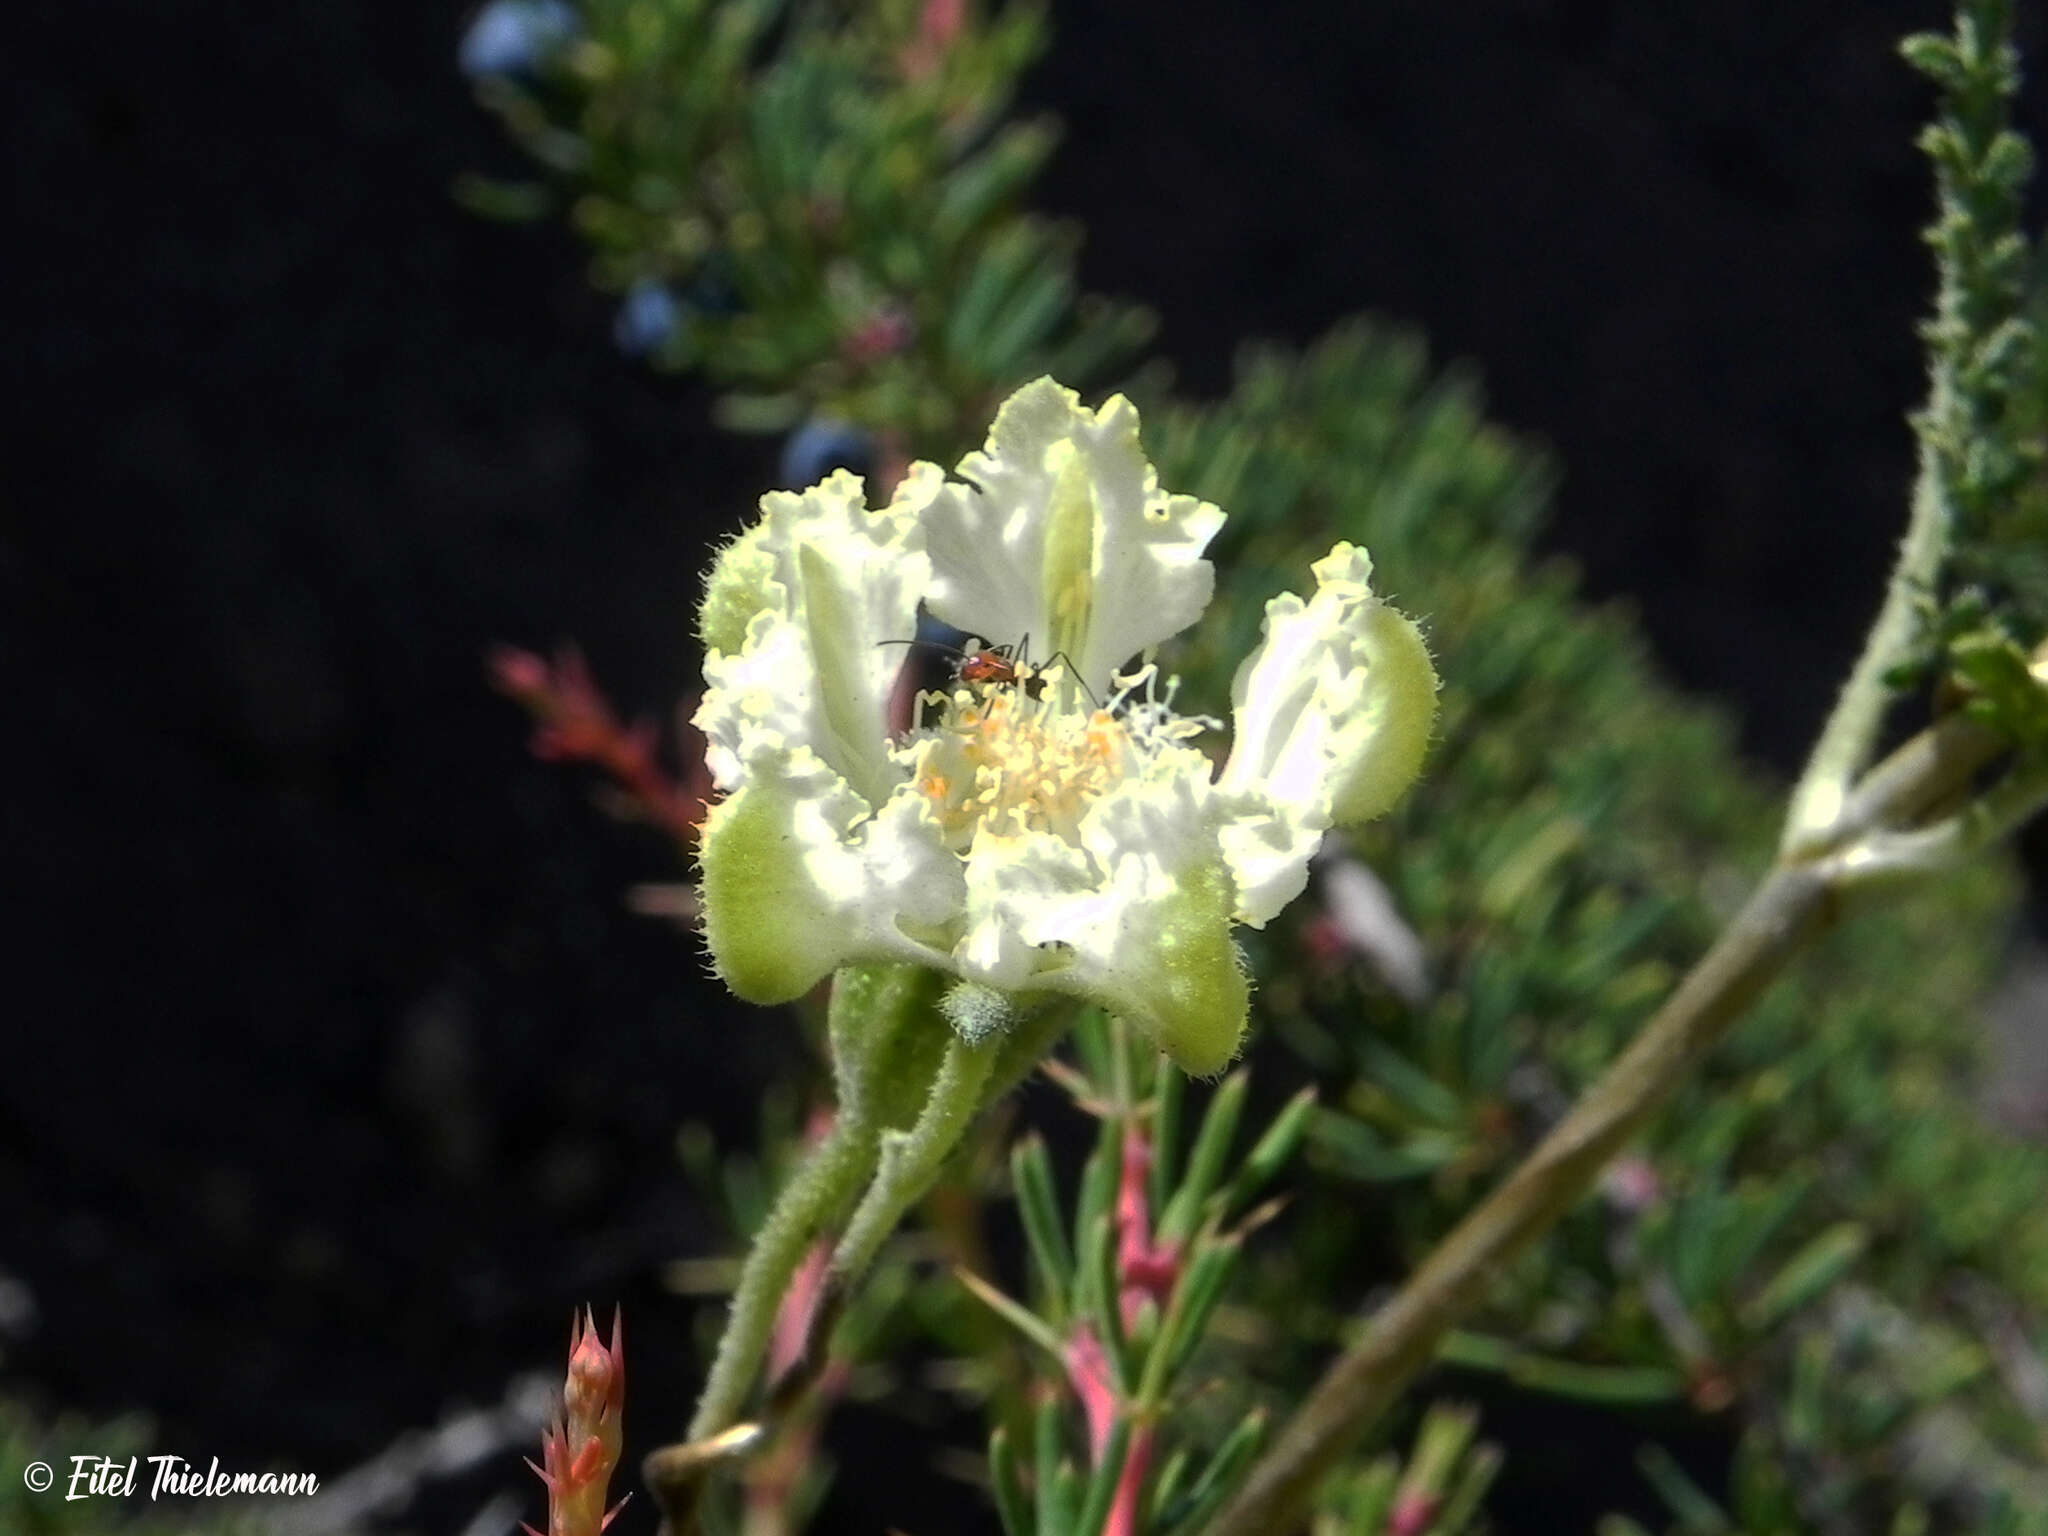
1010 760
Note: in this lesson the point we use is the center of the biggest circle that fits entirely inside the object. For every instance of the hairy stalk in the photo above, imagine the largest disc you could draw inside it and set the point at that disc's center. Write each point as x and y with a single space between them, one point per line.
885 1041
969 1078
910 1161
1846 740
1795 903
813 1202
903 1108
1976 333
1005 1061
909 1089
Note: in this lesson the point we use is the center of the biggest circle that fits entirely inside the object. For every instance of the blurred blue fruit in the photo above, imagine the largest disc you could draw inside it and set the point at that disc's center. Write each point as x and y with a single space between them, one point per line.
515 37
647 318
822 445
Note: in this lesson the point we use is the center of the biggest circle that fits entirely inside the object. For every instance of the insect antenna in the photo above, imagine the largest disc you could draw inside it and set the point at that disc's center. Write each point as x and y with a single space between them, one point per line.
1061 657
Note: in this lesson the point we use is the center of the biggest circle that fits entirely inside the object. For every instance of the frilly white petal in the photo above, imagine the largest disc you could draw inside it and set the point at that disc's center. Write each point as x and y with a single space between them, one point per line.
1331 713
813 672
1014 839
1065 537
1009 881
800 877
749 709
1149 935
1136 837
1026 893
1268 849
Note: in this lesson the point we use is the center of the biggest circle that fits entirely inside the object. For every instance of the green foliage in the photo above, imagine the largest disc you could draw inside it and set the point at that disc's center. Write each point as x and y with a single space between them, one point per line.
1157 1362
832 192
1120 1309
1797 1239
1873 1384
1981 432
1578 838
1438 1493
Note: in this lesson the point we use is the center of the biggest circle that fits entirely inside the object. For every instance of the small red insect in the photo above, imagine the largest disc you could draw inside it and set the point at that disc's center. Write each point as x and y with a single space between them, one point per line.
1001 665
994 664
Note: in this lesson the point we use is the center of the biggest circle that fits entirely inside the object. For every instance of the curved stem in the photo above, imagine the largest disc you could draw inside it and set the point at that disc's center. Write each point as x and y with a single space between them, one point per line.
909 1161
907 1166
1845 742
1792 906
813 1202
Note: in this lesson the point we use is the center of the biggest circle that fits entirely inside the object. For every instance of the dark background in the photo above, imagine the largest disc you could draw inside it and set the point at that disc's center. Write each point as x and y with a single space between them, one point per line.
336 1072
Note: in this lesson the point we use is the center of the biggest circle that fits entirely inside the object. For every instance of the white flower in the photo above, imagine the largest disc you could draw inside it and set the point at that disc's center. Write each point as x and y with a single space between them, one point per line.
1058 831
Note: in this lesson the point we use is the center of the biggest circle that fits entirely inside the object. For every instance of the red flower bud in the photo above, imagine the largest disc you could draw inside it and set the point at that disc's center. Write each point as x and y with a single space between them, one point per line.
580 1450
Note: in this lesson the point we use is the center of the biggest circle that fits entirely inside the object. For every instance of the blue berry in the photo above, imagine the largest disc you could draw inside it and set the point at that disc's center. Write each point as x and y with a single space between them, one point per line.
647 318
515 37
822 445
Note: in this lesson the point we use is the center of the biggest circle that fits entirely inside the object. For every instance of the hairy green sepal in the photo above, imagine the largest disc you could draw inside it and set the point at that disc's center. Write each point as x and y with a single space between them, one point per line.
737 589
1405 701
772 935
1190 996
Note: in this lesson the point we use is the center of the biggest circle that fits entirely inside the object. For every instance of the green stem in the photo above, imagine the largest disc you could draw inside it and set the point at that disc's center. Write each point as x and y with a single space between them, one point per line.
1882 854
1845 742
887 1044
813 1202
1792 906
909 1161
1975 217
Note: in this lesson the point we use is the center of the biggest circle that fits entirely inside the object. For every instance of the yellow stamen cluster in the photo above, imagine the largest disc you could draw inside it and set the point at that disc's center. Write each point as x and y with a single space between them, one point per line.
1005 763
996 760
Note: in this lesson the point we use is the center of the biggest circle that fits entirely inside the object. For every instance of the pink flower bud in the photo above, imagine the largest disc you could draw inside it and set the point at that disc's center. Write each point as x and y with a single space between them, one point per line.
580 1450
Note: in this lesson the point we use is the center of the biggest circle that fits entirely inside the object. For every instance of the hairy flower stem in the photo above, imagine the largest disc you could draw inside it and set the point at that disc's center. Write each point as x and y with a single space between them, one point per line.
909 1088
1029 1043
814 1201
1977 328
972 1075
910 1161
1845 742
970 1079
1795 903
883 1030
